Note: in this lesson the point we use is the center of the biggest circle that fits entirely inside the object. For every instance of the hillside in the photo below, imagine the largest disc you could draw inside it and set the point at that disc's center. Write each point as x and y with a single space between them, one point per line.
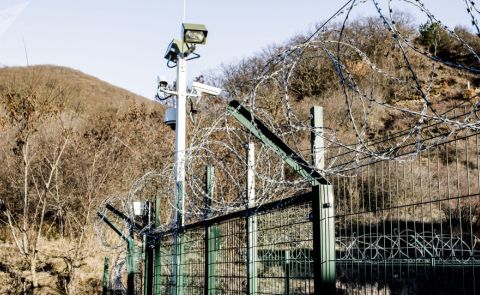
69 141
88 94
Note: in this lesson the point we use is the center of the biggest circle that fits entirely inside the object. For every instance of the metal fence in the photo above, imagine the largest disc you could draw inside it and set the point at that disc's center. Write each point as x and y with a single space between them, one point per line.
410 225
216 252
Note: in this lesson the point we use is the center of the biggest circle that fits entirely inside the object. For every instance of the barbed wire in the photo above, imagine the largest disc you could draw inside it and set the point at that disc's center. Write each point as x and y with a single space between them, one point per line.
356 93
409 244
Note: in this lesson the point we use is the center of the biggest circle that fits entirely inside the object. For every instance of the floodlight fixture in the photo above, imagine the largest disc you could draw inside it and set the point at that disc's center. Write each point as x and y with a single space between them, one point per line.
194 33
179 49
175 48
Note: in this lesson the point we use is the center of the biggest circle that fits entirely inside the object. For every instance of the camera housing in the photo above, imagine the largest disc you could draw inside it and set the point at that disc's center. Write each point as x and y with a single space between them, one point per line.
203 88
162 81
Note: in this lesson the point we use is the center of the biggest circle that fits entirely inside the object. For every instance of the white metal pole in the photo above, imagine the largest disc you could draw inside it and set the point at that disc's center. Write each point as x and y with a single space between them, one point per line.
251 174
180 138
318 141
252 222
180 130
324 207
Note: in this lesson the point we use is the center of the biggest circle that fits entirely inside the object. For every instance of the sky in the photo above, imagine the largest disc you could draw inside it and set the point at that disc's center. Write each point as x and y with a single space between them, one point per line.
123 41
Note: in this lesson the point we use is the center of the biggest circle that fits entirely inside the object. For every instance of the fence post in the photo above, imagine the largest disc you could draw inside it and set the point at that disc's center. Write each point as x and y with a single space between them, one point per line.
252 254
179 246
323 214
323 239
149 265
211 236
287 272
105 276
157 265
146 274
131 266
148 251
318 144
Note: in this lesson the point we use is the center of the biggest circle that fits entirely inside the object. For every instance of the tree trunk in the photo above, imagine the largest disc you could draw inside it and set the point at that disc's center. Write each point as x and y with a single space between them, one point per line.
33 272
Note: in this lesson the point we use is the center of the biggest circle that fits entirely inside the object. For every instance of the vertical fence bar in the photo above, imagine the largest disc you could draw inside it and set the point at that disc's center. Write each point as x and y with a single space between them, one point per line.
149 267
146 265
105 276
208 203
323 214
209 190
213 245
323 239
156 272
318 144
131 267
179 245
211 237
251 224
148 251
287 272
178 264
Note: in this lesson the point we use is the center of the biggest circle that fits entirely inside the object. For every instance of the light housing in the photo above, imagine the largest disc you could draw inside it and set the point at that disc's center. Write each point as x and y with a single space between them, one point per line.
194 33
175 49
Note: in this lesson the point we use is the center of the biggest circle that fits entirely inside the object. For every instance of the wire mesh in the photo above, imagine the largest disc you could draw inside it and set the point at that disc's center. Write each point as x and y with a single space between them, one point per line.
230 265
285 245
193 261
412 226
163 280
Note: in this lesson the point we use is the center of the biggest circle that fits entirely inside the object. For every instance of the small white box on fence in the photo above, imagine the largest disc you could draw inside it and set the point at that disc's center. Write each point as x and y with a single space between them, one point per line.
138 208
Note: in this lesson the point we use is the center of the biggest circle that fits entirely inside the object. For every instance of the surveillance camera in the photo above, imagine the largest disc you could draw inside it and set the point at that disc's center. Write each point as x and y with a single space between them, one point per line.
203 88
162 81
